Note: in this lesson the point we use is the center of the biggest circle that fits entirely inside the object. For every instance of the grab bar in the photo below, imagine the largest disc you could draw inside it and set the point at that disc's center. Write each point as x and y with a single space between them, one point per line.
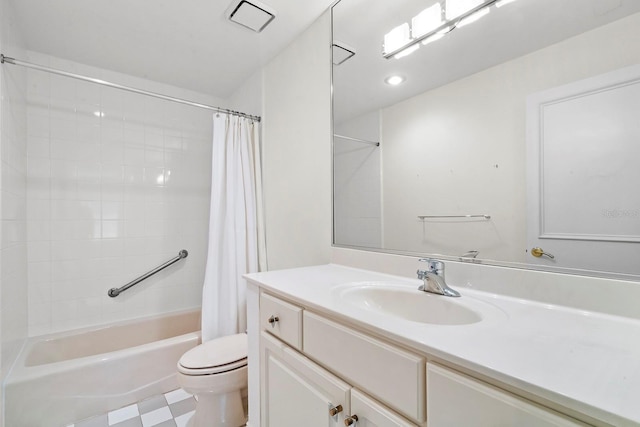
454 216
114 292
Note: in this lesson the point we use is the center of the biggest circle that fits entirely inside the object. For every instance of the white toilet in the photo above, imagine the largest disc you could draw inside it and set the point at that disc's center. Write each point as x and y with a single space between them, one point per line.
216 373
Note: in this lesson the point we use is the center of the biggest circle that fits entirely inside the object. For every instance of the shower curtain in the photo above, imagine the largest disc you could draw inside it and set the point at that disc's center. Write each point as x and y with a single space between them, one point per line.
236 228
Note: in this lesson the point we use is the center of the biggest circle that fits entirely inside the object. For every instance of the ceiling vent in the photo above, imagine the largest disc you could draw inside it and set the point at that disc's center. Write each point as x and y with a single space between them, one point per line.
251 14
341 52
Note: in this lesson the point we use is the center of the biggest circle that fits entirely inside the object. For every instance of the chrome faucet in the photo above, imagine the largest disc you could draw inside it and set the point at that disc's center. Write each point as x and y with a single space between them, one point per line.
433 278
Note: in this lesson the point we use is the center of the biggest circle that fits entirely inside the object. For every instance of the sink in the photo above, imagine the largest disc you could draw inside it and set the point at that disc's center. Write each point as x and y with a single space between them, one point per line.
411 304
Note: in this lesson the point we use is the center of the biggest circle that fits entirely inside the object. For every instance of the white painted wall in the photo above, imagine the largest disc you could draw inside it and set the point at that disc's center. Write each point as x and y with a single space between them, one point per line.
112 197
296 138
357 183
13 164
297 150
460 149
248 97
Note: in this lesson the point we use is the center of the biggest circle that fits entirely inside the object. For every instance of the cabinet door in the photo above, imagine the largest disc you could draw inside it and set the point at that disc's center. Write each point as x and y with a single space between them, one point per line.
296 392
454 400
370 413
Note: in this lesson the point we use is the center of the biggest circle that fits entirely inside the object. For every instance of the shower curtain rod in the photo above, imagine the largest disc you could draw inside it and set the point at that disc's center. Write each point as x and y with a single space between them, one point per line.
364 141
14 61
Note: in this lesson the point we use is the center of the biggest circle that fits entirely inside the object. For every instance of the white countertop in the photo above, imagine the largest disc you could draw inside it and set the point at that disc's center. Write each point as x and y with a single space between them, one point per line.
584 361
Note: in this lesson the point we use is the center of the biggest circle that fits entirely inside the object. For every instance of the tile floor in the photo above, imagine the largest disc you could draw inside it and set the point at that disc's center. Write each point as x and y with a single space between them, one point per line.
171 409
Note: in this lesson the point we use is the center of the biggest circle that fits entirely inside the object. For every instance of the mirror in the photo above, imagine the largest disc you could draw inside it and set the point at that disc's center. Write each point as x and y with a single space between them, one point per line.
511 139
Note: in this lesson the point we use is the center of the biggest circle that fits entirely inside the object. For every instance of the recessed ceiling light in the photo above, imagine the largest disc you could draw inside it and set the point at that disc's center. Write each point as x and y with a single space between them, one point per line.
251 14
394 80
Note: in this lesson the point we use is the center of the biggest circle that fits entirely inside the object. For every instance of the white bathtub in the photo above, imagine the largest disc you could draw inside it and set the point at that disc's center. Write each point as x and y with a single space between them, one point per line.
67 377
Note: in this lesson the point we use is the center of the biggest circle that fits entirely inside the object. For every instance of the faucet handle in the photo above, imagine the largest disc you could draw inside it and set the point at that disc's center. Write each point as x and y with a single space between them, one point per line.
433 265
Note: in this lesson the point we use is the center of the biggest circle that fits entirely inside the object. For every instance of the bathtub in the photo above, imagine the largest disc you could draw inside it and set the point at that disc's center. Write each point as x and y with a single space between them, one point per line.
63 378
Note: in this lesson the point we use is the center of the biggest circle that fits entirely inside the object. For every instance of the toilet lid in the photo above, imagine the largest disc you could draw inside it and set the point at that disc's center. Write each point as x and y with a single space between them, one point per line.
216 353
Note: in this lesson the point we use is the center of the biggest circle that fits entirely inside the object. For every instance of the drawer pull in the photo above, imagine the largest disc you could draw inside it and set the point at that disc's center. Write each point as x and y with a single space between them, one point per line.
335 410
349 421
273 320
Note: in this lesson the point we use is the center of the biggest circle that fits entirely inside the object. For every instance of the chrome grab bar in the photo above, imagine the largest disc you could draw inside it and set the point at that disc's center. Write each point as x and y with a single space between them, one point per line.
114 292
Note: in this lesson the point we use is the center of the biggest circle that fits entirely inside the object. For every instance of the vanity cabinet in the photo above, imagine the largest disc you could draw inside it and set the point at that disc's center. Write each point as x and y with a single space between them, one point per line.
316 372
297 391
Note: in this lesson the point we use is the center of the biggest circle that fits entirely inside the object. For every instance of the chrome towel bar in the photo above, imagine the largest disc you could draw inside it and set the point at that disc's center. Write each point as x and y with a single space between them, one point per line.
454 216
114 292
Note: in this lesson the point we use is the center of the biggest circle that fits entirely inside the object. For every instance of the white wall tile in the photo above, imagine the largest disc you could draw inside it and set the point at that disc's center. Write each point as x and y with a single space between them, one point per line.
108 195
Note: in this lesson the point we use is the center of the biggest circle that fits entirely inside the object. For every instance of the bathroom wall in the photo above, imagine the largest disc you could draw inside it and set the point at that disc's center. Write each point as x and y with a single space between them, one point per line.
297 150
118 183
297 166
460 148
13 165
357 183
248 97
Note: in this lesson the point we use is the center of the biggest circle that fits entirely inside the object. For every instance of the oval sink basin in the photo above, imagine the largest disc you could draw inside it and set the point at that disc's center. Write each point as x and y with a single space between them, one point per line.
411 304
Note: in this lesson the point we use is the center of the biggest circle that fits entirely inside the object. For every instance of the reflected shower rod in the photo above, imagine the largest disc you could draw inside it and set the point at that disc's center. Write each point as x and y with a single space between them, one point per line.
13 61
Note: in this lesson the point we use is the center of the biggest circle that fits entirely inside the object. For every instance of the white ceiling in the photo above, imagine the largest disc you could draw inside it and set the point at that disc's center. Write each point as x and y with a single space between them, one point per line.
186 43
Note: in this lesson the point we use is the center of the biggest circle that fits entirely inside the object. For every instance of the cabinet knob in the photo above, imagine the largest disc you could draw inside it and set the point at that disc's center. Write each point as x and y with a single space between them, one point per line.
273 320
349 421
335 410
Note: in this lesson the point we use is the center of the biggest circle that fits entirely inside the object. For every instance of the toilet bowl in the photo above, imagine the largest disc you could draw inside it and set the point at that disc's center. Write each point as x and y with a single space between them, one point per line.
216 373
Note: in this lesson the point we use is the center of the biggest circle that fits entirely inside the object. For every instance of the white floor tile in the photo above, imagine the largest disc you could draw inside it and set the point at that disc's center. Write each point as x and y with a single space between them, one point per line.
123 414
156 417
176 396
183 419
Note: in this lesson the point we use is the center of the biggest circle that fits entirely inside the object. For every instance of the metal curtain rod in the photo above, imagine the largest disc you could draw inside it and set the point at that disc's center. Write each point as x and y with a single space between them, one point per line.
14 61
377 144
114 292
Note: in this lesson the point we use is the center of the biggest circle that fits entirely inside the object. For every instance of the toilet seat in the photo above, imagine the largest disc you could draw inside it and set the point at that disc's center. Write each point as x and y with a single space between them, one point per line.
216 356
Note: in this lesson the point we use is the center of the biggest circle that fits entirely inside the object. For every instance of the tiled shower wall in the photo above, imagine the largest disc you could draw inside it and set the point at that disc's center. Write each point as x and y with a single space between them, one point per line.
117 183
13 167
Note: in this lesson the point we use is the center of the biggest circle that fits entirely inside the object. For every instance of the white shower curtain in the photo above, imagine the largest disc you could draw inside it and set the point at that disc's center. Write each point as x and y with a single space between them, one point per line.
236 230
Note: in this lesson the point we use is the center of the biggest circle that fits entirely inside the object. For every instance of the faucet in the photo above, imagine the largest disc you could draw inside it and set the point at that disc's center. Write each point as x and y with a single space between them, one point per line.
433 278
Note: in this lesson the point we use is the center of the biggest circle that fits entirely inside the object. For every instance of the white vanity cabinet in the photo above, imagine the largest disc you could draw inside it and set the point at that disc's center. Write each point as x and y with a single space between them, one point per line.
296 391
317 372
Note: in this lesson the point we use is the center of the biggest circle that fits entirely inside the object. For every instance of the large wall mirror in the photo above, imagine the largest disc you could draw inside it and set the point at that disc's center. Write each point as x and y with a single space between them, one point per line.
499 132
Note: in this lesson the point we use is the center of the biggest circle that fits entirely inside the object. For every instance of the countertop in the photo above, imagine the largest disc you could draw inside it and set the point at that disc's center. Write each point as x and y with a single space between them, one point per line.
584 361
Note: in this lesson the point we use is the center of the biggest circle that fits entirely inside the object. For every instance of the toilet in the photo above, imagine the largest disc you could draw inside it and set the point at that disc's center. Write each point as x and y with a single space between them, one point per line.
216 373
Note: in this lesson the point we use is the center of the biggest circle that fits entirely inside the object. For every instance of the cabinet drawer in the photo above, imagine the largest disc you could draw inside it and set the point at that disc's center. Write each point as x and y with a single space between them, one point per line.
392 375
288 326
454 399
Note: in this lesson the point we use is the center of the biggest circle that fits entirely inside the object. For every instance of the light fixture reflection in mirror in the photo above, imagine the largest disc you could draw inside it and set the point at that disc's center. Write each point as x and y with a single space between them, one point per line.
455 137
428 26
